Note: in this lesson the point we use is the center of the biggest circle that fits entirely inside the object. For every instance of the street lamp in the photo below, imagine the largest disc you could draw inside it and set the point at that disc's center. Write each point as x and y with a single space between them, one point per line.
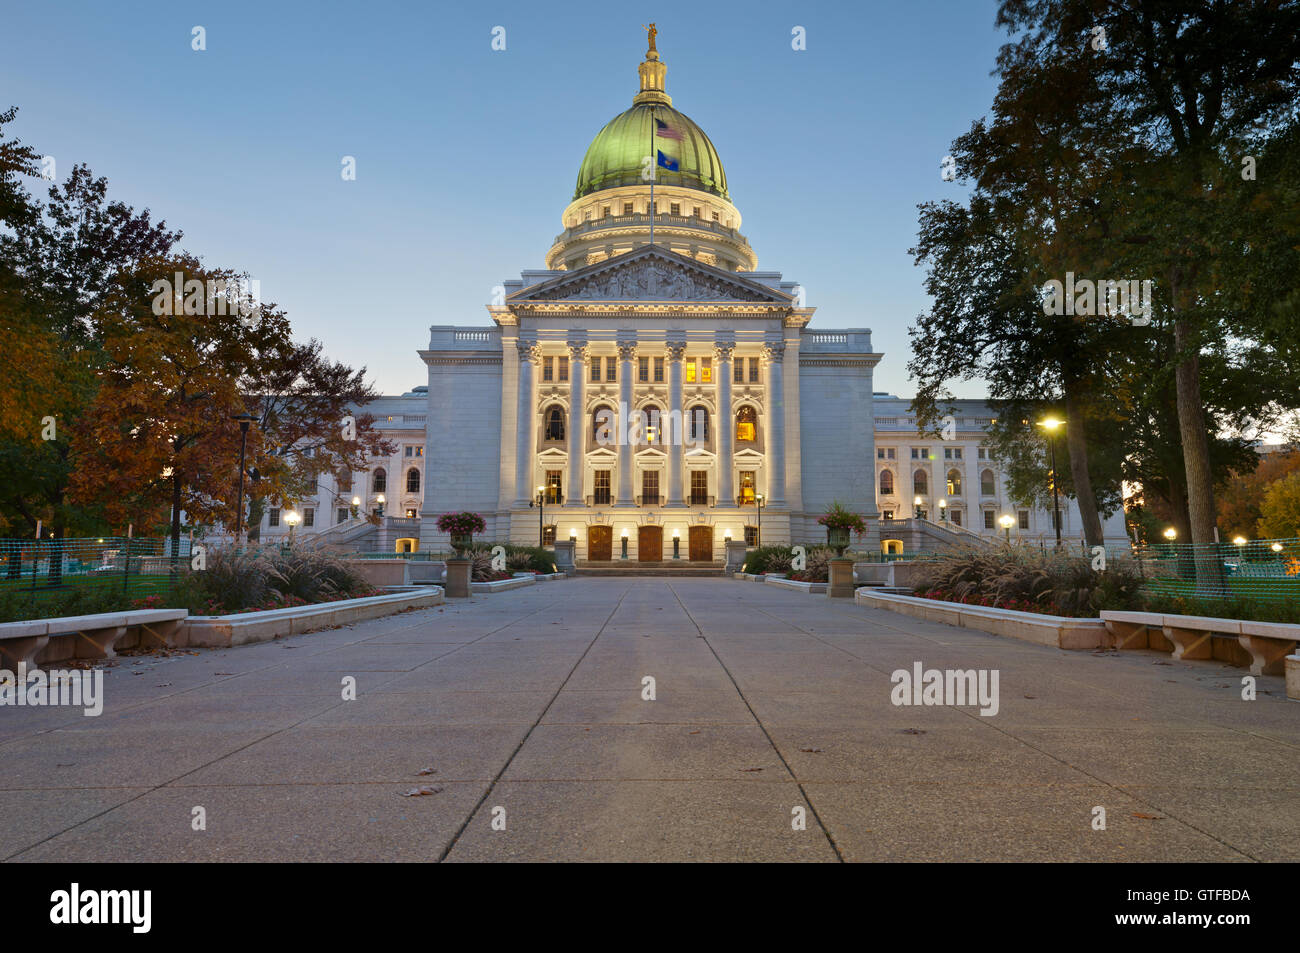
677 544
916 507
293 519
1051 424
540 503
624 542
758 534
1171 534
943 511
245 420
1007 522
380 500
356 506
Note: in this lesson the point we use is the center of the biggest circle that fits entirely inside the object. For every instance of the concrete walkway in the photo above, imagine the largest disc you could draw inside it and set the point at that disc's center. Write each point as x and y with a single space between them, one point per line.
529 703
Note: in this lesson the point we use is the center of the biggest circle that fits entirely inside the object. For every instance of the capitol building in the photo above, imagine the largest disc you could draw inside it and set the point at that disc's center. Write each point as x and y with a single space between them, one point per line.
653 385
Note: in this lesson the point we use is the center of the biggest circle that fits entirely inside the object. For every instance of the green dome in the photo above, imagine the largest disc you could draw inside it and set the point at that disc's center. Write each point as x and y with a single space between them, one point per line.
615 156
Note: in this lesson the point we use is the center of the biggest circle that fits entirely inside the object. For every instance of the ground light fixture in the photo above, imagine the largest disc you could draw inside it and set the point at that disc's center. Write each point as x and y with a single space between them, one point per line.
292 519
1007 522
1171 534
1239 540
1276 547
677 544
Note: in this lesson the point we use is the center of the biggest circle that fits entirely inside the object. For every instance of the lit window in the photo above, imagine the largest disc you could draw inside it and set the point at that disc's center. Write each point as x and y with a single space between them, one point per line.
746 486
954 483
690 370
746 424
706 370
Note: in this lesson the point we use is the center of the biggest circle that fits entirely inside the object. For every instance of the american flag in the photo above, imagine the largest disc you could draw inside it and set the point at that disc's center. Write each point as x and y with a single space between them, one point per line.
665 131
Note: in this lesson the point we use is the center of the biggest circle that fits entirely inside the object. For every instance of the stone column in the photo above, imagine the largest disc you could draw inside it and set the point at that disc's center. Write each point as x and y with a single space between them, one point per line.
726 493
676 351
530 356
774 354
573 493
626 359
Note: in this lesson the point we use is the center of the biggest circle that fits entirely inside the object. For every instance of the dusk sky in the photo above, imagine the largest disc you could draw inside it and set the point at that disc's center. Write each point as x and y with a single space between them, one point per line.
465 157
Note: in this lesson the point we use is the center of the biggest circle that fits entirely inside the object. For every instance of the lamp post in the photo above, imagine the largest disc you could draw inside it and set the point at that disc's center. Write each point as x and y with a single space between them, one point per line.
540 503
943 511
380 500
356 506
245 420
292 518
677 544
624 543
916 507
1051 424
758 505
1006 522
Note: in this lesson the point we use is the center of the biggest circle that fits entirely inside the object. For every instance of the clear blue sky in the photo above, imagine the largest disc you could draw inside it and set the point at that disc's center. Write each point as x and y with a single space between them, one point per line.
466 157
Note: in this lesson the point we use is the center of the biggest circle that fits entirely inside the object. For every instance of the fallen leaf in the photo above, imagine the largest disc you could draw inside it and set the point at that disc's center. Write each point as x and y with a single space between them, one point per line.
427 771
1031 696
1162 663
421 792
913 731
1148 817
751 769
695 732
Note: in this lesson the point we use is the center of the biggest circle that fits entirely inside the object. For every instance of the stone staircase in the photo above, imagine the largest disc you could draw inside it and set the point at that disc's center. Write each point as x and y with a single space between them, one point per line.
669 567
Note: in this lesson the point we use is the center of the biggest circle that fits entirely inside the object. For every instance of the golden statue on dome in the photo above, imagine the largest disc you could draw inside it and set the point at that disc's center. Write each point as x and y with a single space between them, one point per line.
653 33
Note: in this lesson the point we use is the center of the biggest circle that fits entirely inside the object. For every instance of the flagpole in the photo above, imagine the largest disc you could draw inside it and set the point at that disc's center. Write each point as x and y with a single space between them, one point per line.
654 172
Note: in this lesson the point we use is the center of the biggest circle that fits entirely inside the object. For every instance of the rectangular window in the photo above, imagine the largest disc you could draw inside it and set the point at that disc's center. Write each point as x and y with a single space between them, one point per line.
738 371
690 370
699 488
309 516
548 535
916 453
706 370
746 494
715 216
604 212
564 369
659 370
880 453
643 369
611 363
1024 519
751 535
886 514
753 370
956 517
627 208
890 452
956 453
947 453
553 487
586 216
988 519
341 514
410 513
595 370
649 487
696 211
675 208
600 488
273 516
548 368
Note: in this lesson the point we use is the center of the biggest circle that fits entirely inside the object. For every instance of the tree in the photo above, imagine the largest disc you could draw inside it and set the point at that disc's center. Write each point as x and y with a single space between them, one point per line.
159 436
309 422
1280 512
1240 505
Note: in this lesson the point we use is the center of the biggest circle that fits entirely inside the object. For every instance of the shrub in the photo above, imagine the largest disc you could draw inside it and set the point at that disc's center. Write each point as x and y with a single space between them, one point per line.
766 559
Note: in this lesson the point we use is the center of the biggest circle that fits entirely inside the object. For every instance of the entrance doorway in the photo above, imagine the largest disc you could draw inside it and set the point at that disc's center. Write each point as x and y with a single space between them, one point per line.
650 544
701 540
600 543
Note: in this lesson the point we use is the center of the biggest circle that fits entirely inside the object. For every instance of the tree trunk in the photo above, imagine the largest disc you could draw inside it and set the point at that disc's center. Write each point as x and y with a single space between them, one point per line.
256 510
176 519
1196 448
1077 441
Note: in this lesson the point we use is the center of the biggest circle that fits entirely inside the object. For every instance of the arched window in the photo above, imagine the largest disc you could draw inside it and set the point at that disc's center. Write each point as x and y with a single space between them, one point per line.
920 483
554 423
381 481
746 423
650 421
954 483
603 425
987 487
412 480
699 426
886 482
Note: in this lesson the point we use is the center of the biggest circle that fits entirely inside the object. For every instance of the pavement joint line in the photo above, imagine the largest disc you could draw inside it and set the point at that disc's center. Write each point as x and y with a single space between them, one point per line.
830 839
455 837
987 723
244 747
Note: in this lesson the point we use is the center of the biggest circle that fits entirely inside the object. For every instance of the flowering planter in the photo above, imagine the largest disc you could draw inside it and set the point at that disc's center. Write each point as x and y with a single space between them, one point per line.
838 539
462 543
